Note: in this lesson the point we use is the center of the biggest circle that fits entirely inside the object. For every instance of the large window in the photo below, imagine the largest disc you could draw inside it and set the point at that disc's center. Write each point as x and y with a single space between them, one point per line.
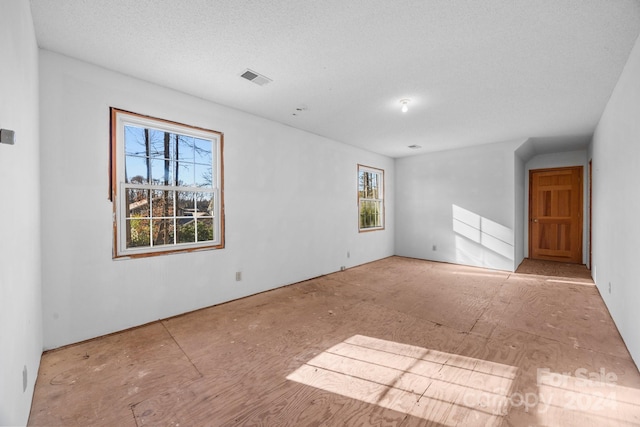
166 186
370 198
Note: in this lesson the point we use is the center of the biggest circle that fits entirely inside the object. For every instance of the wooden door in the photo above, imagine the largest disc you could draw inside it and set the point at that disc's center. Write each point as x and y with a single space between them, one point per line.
555 214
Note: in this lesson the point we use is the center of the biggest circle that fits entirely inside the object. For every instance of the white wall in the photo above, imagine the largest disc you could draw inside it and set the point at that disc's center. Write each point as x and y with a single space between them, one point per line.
616 204
520 219
462 201
20 291
290 202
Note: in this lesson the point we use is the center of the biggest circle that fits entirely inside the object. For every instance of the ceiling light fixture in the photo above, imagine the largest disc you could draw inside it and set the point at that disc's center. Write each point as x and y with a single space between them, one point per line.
405 106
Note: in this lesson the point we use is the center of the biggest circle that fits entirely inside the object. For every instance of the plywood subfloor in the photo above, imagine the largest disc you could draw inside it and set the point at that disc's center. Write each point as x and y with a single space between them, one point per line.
552 268
398 342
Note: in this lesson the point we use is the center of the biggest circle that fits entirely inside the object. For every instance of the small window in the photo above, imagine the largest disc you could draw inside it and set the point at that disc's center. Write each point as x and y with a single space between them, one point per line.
370 198
166 186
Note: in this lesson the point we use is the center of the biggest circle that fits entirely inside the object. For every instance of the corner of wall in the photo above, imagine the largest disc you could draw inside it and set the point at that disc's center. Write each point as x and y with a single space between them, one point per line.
20 278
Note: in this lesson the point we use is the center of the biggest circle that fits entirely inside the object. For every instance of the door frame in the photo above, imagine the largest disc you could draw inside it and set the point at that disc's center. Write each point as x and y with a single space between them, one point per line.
583 214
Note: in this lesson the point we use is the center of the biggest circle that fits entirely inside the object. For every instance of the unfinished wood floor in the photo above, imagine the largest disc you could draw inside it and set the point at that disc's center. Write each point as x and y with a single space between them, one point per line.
398 342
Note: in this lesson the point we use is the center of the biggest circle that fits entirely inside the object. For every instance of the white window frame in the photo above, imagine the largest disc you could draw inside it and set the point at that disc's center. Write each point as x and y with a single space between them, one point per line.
379 200
120 119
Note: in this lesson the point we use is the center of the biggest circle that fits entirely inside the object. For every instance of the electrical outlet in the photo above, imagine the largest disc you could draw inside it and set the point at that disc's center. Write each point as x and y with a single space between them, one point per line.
609 287
434 248
343 268
238 276
348 254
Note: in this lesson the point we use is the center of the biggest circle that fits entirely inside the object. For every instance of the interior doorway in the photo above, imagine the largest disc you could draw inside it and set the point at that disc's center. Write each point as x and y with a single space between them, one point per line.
555 214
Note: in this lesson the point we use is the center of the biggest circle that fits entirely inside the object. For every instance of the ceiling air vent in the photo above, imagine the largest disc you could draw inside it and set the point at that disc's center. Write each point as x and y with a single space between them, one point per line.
256 78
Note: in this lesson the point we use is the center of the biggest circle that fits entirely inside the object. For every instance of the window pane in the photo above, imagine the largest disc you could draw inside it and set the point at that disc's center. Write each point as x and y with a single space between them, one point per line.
205 229
134 141
370 213
137 202
369 185
186 203
136 170
156 142
373 193
138 233
186 230
372 186
173 170
185 174
162 172
202 148
162 232
185 148
203 176
162 203
204 203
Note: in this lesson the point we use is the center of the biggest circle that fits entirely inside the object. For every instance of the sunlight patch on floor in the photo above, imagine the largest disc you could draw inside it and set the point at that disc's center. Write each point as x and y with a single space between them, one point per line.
432 385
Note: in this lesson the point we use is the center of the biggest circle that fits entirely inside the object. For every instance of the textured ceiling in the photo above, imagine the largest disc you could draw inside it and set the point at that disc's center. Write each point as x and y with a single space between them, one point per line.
476 71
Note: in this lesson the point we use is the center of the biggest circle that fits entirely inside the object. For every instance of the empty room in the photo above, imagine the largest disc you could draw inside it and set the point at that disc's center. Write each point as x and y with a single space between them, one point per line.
330 213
